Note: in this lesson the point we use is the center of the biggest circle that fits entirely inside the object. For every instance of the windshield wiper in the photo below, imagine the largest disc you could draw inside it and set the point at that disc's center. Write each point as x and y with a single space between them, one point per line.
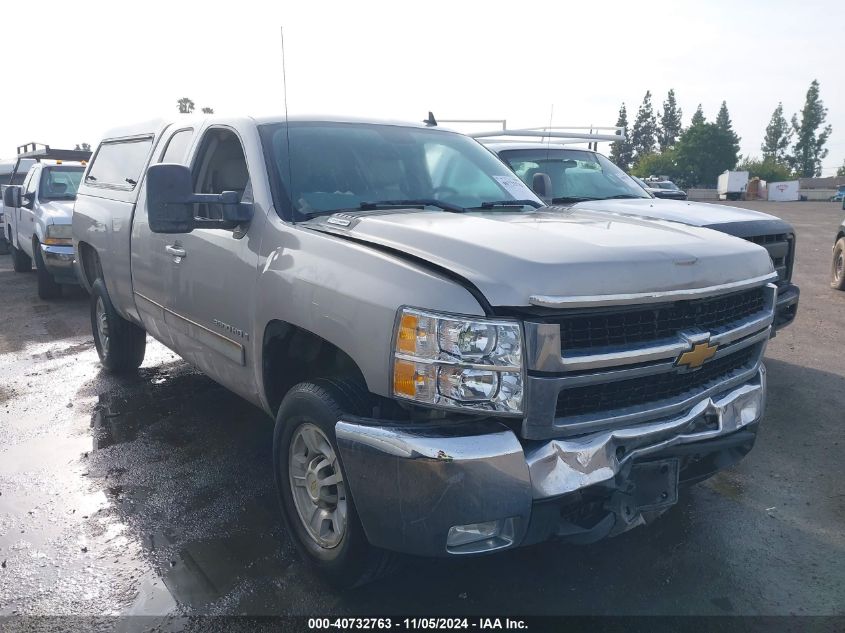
420 202
572 199
508 203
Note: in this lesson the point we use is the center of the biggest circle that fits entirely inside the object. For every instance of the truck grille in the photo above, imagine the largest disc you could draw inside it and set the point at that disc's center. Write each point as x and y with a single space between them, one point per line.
609 396
602 329
780 247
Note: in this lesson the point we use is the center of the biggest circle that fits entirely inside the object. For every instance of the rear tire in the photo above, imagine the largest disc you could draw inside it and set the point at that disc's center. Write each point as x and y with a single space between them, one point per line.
48 288
21 262
305 454
120 343
837 269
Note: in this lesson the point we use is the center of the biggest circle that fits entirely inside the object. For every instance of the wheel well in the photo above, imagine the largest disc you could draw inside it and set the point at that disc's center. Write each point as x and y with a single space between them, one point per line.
90 263
292 355
839 236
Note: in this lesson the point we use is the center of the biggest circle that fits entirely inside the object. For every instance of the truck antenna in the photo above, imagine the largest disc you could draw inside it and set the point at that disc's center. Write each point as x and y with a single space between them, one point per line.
287 127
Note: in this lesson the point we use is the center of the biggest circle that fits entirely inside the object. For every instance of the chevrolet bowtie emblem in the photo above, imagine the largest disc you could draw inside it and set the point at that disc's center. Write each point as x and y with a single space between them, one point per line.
697 356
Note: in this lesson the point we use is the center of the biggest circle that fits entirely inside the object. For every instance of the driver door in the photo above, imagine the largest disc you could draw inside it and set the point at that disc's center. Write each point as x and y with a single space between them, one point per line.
217 272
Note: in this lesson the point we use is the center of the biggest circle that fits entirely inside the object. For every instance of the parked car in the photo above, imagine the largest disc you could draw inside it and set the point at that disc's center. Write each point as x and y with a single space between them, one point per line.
837 274
454 368
665 189
839 196
38 213
584 179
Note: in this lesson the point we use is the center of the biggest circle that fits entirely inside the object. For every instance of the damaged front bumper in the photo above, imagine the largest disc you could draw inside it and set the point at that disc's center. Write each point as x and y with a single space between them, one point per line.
451 488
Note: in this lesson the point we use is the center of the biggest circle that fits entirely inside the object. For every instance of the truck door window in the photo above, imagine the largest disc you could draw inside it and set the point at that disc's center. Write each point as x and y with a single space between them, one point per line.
29 183
177 147
118 164
220 166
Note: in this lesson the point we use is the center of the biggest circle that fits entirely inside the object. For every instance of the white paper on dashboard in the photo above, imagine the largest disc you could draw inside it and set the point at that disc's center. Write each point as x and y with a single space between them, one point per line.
514 186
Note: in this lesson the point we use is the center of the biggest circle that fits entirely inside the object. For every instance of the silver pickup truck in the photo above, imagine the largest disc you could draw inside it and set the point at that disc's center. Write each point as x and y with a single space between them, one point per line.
453 367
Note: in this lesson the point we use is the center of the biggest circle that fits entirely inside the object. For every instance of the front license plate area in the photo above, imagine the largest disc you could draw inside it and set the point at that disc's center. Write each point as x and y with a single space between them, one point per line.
655 484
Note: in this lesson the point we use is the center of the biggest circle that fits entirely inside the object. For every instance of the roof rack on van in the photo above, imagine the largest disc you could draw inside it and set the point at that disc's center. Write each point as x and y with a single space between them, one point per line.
41 151
565 134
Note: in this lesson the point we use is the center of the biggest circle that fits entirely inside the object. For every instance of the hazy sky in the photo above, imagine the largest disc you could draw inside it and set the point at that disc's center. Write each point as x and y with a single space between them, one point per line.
75 69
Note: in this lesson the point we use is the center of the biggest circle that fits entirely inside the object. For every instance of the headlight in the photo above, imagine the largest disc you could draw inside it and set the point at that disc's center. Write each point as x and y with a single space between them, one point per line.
58 235
454 362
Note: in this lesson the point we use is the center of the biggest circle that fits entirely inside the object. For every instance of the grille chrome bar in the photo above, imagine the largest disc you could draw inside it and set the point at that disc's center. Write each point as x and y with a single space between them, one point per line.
637 298
544 344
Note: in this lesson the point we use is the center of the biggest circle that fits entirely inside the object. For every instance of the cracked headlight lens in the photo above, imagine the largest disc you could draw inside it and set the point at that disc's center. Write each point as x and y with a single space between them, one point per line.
446 361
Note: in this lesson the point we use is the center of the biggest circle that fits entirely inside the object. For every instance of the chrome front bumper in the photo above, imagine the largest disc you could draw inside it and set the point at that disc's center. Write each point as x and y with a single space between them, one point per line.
411 484
59 260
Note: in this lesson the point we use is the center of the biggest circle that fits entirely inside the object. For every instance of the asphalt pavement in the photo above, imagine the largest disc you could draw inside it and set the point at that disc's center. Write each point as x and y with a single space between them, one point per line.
153 494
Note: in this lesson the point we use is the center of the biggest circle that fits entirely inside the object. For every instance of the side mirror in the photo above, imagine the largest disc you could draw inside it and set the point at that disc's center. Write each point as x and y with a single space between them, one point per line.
170 200
12 196
541 184
28 200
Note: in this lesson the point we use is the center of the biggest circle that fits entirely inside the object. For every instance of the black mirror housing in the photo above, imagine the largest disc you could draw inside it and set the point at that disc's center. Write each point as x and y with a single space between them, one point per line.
12 196
541 184
169 192
170 200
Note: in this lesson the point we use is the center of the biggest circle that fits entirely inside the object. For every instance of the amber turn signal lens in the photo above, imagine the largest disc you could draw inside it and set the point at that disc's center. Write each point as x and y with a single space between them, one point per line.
404 378
406 341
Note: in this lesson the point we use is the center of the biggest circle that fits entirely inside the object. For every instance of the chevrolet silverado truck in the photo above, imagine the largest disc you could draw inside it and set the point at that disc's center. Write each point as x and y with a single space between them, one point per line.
38 216
11 173
584 179
453 367
837 269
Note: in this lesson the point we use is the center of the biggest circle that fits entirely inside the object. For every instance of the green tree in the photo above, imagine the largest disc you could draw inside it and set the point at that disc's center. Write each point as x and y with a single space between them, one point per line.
621 152
809 148
185 105
767 169
83 146
662 164
778 135
703 152
698 117
208 110
670 122
645 129
723 121
841 170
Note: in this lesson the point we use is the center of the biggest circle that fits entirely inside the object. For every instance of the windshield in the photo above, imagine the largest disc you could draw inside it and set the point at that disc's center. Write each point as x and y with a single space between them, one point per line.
341 166
60 182
574 174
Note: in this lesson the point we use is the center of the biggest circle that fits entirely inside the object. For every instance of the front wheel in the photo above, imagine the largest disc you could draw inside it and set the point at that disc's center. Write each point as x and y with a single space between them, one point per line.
48 288
837 274
316 502
21 262
120 344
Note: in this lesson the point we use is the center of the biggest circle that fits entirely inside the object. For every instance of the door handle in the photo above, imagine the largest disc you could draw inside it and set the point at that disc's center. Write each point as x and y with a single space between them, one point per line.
176 251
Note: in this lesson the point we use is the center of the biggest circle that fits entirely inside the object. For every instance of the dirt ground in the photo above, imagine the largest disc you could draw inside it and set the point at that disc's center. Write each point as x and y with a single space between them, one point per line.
153 494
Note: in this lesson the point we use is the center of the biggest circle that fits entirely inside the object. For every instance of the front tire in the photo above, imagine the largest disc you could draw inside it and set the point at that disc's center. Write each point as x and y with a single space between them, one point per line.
120 344
21 262
316 502
837 269
48 288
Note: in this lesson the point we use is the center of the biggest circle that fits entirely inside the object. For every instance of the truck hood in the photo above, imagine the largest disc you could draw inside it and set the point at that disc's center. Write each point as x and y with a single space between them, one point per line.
57 211
557 251
691 213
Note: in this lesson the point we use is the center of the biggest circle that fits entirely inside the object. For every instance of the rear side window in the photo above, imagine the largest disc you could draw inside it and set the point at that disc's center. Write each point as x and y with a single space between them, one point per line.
119 163
177 147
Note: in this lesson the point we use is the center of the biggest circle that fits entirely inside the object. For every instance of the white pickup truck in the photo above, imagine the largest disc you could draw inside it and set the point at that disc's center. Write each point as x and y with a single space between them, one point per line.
10 174
38 215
